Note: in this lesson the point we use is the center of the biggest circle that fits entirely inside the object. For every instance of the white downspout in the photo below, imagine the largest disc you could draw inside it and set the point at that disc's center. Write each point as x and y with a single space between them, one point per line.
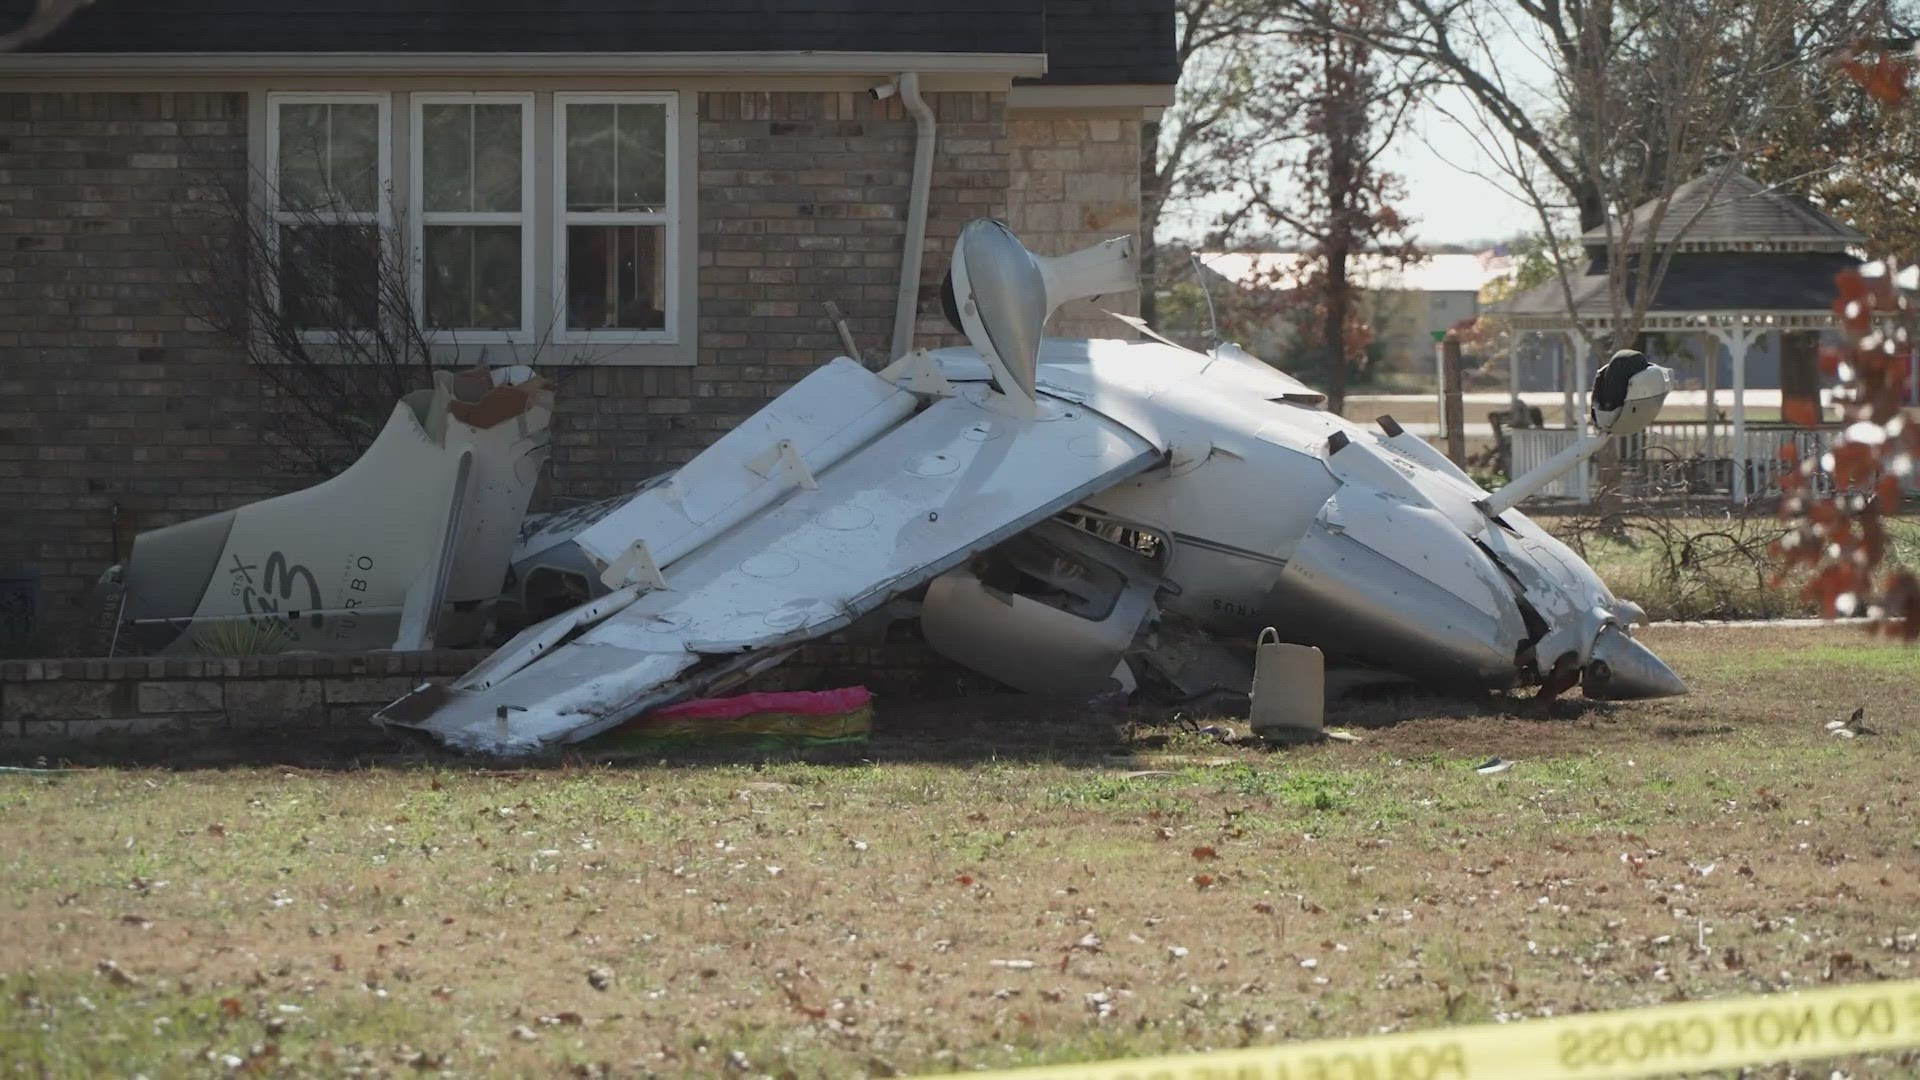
906 308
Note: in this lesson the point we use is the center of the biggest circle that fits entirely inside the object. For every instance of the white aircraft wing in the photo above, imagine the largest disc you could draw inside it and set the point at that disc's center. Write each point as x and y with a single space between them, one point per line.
957 478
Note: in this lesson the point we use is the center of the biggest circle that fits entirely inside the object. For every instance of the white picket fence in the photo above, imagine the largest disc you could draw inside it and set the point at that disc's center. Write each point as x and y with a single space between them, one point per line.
1674 458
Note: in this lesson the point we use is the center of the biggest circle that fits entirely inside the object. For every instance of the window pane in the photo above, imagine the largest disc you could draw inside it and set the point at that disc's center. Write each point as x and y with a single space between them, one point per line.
590 157
329 157
329 275
496 157
472 277
470 159
616 277
353 134
446 157
642 153
303 156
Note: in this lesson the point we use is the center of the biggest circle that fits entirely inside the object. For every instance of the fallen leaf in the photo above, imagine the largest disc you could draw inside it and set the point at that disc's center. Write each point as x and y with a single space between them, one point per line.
1204 853
230 1007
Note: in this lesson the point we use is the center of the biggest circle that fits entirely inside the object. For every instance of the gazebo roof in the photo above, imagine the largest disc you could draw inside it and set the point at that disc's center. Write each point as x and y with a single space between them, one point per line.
1735 212
1740 251
1718 283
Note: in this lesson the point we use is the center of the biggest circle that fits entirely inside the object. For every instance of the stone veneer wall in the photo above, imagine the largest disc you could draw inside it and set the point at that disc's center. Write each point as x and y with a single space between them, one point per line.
110 395
1076 182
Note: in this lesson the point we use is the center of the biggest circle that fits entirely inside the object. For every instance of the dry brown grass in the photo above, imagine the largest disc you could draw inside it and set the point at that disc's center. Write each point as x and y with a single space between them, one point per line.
838 917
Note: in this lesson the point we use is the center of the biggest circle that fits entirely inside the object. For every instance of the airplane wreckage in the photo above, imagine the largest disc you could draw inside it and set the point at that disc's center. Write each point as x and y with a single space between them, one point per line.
1065 516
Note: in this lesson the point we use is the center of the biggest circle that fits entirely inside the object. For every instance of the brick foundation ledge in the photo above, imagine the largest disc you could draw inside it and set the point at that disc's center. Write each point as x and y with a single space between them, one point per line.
81 699
136 696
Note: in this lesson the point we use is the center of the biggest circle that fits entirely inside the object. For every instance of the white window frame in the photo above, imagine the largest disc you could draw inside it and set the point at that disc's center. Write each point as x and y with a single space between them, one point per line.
671 265
381 217
422 217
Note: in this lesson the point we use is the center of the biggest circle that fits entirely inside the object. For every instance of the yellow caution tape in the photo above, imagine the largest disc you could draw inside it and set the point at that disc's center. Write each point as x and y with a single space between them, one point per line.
1653 1041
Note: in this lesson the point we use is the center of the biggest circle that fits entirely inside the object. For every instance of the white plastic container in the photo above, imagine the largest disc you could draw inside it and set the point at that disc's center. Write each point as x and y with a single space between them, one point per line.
1289 690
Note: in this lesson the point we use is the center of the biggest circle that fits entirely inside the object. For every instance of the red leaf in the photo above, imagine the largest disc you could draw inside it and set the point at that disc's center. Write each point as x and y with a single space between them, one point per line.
1885 79
963 880
1204 881
1205 853
1888 491
230 1007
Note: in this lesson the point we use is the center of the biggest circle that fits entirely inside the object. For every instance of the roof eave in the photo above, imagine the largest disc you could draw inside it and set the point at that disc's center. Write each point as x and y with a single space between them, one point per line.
1012 65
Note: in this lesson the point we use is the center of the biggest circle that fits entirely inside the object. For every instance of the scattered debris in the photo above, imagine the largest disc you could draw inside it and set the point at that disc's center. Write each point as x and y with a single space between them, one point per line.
116 974
599 978
1493 766
971 489
1852 727
405 550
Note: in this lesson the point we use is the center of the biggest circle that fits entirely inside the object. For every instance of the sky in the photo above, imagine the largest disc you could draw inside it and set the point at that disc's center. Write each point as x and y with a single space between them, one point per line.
1438 154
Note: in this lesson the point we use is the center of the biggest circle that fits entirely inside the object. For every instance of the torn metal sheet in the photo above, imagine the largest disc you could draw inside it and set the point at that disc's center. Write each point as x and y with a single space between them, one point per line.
835 410
954 479
1042 506
414 535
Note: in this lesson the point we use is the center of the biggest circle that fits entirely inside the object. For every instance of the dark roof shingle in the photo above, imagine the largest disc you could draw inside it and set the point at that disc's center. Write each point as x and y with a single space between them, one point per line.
1086 41
1734 208
1704 281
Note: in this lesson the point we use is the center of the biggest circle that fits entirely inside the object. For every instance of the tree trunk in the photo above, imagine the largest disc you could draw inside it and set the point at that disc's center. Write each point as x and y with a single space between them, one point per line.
1334 329
1454 413
1152 198
1592 204
1800 376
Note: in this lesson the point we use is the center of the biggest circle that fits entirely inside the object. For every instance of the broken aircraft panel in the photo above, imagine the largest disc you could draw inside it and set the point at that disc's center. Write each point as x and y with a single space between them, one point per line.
406 548
1051 503
956 478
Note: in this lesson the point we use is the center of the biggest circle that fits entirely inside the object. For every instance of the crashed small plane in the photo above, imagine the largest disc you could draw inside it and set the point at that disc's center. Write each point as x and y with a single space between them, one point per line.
1062 515
403 550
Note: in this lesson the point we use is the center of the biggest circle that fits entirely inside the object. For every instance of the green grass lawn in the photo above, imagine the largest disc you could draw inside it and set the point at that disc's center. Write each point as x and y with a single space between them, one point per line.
889 910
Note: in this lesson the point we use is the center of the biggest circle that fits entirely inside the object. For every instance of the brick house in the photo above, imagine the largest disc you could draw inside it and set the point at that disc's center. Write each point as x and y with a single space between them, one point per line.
671 187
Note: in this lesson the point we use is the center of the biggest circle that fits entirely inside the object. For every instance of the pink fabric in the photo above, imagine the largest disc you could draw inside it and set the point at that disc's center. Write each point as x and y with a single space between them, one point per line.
802 702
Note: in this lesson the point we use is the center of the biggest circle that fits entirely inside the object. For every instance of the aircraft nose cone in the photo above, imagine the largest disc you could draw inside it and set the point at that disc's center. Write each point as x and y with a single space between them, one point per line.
1623 669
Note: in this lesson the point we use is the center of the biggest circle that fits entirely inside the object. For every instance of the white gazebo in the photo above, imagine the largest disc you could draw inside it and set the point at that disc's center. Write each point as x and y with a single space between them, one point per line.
1746 259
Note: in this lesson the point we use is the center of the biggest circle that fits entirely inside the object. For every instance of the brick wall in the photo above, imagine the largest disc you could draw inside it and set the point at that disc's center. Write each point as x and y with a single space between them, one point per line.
1075 182
108 394
176 700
